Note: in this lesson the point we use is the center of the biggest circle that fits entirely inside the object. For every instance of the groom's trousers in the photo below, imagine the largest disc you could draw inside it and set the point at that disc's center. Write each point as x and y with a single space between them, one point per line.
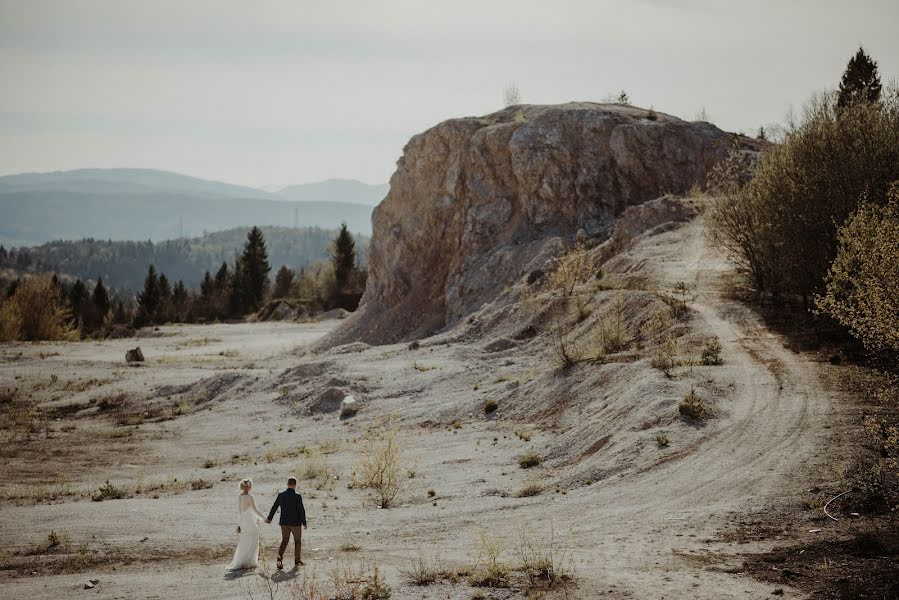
297 531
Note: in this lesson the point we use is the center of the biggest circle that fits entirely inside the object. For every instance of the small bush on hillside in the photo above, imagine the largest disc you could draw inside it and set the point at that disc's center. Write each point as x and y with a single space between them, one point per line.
529 489
529 460
664 356
692 406
382 466
711 352
421 571
108 491
490 407
573 268
545 562
662 441
489 570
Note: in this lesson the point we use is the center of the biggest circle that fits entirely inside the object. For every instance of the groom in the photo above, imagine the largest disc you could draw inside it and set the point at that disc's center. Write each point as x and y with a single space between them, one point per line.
293 516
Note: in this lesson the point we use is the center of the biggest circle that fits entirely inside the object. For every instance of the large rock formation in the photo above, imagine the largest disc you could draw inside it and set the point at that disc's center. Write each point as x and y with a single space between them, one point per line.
473 202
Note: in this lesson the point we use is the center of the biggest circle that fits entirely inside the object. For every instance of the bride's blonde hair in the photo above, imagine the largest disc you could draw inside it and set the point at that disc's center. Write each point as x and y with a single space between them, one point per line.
246 484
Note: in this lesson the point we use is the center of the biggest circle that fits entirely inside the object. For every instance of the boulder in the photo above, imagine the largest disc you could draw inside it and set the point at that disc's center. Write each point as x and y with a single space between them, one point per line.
328 401
134 355
348 407
475 204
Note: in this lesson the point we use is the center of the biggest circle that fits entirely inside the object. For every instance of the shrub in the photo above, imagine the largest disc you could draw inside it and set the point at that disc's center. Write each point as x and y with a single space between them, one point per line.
108 491
529 460
382 466
489 571
664 355
422 572
810 183
662 441
529 490
711 352
544 562
692 406
35 312
863 279
490 407
572 268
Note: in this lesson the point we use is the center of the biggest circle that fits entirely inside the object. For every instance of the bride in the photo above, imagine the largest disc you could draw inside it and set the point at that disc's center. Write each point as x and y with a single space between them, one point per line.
246 555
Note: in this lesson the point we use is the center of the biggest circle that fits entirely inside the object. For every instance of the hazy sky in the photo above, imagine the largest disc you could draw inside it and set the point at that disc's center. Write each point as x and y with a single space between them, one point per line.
278 92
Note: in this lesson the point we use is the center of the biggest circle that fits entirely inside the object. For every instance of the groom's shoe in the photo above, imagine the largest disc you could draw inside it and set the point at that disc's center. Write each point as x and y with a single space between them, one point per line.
280 563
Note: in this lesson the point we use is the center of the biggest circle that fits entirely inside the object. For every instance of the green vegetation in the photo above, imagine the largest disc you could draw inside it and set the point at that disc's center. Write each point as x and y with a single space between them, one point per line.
123 264
828 165
692 406
862 284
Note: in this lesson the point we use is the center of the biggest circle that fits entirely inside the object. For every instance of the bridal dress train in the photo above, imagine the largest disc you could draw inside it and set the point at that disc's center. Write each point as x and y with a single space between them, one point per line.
246 556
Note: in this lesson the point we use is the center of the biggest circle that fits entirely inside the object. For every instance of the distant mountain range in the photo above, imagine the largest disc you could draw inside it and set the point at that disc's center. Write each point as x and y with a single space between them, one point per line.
145 204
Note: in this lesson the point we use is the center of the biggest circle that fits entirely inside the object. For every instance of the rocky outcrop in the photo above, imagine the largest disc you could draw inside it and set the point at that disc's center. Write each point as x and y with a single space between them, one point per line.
474 202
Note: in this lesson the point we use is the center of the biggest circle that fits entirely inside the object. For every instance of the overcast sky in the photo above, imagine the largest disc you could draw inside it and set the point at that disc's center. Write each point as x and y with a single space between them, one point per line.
279 92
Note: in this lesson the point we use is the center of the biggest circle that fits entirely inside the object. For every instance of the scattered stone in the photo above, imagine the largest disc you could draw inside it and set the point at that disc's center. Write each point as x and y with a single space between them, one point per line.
328 401
134 355
414 345
348 407
89 585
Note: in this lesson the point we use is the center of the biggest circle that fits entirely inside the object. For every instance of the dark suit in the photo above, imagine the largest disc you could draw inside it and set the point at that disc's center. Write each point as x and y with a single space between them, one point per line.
292 521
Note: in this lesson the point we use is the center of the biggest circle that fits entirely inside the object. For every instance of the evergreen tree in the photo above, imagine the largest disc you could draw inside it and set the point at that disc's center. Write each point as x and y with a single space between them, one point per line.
237 297
179 294
3 253
148 300
283 282
165 288
860 82
343 255
207 286
77 296
254 270
100 297
223 278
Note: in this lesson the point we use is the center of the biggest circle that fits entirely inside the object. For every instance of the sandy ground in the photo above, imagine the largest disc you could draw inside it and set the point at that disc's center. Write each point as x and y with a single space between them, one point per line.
641 522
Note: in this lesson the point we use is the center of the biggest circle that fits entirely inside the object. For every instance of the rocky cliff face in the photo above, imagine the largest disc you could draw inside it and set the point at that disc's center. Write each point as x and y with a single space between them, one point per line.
474 201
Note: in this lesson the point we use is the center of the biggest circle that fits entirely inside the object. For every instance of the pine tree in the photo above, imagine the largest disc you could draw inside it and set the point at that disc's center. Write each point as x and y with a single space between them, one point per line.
860 82
148 300
179 294
283 282
100 297
207 286
165 288
223 278
343 255
3 252
253 278
77 296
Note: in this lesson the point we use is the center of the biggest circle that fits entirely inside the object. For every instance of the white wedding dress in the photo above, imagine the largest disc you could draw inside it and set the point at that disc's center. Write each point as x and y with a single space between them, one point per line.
246 556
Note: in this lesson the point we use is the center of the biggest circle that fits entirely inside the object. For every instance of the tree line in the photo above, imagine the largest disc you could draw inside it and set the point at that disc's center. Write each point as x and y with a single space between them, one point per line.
45 306
123 264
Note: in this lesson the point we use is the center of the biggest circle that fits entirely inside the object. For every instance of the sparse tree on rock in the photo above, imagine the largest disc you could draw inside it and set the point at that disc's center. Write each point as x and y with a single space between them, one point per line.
861 81
511 95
